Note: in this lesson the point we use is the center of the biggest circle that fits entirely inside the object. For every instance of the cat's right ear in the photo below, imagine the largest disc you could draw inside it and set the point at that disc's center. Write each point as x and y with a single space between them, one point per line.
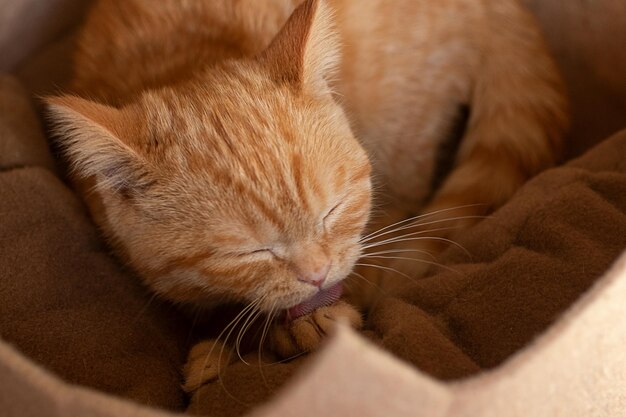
92 137
306 51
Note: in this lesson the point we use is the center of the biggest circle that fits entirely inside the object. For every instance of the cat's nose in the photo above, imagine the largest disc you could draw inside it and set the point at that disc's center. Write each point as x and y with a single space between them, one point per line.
315 277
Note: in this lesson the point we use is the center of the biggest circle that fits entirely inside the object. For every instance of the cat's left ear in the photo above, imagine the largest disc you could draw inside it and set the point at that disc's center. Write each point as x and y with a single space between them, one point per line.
306 51
96 139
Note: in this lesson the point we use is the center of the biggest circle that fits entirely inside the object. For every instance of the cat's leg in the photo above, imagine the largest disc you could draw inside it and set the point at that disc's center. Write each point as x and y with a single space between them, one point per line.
205 362
305 333
518 119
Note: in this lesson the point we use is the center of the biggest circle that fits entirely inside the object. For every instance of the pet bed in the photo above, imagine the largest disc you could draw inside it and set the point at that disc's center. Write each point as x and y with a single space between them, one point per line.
530 324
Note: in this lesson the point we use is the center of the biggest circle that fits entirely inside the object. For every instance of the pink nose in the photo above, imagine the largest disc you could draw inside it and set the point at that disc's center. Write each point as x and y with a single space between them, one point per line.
315 278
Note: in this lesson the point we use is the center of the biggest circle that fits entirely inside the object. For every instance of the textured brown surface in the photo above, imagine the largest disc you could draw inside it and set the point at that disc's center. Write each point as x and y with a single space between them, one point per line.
66 303
23 142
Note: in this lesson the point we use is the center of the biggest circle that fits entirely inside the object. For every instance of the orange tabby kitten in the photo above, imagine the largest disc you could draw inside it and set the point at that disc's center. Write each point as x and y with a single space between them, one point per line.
210 145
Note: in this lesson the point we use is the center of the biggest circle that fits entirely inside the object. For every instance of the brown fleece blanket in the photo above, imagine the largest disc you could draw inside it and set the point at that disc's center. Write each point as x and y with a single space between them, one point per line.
69 305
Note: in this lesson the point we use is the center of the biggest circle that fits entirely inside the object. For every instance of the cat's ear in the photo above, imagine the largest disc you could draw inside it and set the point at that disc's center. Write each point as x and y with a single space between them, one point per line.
306 51
91 135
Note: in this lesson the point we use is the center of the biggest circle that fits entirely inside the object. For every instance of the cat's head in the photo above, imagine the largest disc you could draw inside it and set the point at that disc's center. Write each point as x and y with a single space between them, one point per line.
244 183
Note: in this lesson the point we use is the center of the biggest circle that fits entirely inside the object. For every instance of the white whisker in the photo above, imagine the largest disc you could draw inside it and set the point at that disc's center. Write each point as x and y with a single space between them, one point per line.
442 239
241 315
421 216
252 317
369 282
232 324
384 252
386 268
419 224
268 323
398 238
418 260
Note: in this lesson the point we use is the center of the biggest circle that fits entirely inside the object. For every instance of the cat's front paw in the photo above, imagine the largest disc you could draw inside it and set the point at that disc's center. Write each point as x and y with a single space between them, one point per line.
305 333
205 362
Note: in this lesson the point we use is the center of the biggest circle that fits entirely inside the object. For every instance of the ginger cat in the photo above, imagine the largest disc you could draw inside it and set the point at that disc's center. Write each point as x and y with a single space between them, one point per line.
220 144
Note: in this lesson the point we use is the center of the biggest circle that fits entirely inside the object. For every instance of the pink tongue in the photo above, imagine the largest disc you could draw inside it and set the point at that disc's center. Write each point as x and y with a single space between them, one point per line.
322 298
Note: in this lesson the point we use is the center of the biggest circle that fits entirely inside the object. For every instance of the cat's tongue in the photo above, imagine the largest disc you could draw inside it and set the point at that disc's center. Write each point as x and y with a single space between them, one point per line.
322 298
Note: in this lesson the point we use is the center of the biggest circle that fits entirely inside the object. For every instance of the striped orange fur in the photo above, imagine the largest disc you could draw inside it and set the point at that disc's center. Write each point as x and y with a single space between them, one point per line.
215 141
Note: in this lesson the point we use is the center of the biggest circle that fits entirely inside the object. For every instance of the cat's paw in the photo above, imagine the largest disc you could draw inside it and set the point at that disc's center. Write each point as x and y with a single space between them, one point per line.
305 333
205 362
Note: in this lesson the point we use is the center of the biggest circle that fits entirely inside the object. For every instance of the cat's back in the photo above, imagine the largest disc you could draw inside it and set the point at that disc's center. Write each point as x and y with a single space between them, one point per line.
126 46
407 68
400 45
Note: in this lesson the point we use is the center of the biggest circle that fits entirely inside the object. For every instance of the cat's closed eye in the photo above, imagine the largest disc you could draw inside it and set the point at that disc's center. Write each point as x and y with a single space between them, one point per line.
261 253
331 214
